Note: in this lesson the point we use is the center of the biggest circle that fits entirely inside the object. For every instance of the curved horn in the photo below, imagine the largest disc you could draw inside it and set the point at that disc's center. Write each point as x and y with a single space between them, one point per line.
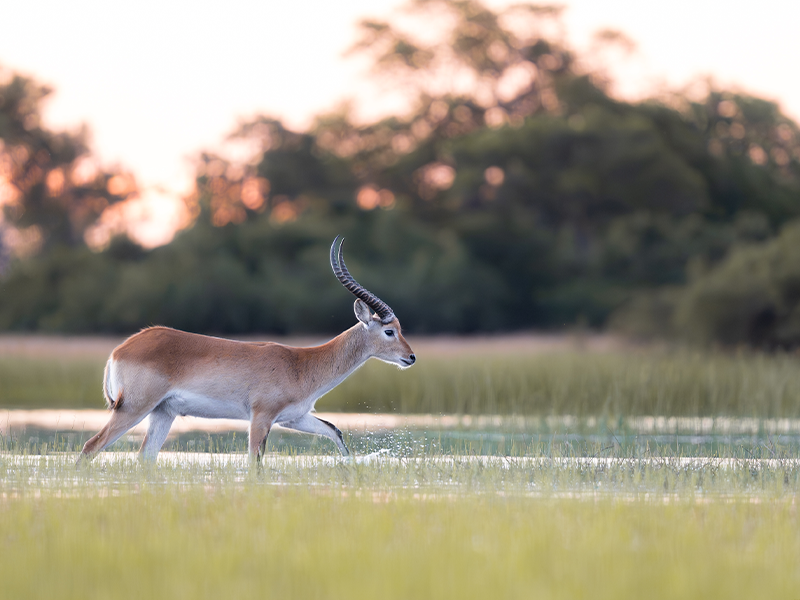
382 309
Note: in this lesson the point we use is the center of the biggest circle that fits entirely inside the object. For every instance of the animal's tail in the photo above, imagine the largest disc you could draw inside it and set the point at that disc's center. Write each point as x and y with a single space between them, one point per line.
112 402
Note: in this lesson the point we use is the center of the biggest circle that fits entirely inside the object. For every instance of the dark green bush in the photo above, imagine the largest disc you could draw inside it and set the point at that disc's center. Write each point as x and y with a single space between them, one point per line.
753 297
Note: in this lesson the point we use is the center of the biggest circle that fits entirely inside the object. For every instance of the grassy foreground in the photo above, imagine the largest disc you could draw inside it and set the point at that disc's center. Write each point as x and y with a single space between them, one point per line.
299 544
425 529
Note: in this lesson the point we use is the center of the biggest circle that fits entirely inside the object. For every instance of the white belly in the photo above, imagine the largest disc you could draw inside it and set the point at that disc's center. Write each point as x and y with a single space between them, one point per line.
182 402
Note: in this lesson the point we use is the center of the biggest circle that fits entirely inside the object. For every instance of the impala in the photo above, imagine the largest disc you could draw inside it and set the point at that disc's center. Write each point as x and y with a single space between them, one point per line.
164 373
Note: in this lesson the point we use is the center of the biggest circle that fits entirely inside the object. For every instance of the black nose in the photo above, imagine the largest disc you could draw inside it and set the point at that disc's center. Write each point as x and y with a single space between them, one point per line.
412 358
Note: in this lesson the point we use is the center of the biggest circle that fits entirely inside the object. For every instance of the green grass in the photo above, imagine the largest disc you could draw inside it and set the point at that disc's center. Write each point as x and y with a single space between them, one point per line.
47 382
435 527
633 382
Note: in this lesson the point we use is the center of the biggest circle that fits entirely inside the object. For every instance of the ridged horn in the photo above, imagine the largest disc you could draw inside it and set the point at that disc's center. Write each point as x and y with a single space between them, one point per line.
380 307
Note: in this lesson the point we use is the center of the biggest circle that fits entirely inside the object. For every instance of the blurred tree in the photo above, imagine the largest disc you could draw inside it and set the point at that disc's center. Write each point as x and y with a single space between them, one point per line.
502 63
51 190
516 193
291 174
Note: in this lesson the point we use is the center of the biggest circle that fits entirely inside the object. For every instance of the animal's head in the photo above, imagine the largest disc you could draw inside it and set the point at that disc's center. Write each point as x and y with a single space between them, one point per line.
382 327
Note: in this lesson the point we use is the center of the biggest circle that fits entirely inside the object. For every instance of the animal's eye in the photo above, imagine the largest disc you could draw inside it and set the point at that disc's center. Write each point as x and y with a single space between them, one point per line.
389 332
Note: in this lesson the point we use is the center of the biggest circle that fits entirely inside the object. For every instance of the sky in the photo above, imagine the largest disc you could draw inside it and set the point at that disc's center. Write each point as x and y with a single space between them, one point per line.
159 81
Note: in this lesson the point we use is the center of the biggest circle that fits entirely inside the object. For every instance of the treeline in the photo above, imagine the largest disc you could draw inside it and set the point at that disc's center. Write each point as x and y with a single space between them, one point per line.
483 209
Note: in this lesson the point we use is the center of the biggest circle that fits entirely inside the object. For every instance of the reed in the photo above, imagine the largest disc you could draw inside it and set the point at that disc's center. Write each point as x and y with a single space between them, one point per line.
483 380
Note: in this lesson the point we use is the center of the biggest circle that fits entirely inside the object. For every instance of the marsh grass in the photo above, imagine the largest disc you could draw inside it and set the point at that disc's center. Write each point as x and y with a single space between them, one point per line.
296 544
432 526
477 381
51 382
645 382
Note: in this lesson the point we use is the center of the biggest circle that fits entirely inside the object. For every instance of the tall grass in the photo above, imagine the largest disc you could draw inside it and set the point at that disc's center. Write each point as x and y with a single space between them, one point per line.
481 381
647 382
50 382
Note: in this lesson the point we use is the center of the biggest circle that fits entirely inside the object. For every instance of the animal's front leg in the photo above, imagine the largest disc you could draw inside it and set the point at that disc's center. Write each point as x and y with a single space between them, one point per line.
259 430
308 423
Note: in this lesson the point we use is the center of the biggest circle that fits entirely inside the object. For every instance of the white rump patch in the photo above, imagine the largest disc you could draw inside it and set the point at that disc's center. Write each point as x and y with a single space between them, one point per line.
112 384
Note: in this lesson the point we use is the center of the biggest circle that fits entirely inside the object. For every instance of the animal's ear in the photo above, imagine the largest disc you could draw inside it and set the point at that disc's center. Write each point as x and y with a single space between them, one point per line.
362 312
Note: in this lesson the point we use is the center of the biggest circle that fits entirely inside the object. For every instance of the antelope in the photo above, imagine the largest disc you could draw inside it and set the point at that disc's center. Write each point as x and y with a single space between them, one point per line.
163 373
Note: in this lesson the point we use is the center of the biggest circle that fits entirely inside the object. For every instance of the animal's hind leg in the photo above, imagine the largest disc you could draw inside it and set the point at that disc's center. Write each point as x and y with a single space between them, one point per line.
160 421
120 422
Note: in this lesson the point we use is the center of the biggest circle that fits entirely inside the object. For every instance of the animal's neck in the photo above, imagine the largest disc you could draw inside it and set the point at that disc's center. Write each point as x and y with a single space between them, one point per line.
338 358
351 349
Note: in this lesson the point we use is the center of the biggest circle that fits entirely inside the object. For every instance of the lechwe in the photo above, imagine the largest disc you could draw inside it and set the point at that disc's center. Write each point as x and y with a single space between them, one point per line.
164 373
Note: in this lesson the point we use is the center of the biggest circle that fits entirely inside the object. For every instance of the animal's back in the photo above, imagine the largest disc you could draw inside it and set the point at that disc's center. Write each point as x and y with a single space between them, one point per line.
170 350
190 360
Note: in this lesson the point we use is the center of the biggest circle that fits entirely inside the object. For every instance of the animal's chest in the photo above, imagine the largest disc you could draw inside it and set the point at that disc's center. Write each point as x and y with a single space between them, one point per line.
295 410
298 408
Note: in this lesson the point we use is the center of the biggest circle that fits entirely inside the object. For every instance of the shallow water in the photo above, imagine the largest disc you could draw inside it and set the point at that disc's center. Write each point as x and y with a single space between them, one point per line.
737 438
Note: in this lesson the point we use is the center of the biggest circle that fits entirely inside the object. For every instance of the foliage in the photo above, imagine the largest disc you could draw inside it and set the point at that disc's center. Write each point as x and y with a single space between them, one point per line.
489 206
50 188
752 297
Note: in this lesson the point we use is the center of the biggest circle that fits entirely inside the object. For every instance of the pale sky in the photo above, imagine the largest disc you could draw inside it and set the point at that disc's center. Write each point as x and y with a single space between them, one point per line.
158 81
